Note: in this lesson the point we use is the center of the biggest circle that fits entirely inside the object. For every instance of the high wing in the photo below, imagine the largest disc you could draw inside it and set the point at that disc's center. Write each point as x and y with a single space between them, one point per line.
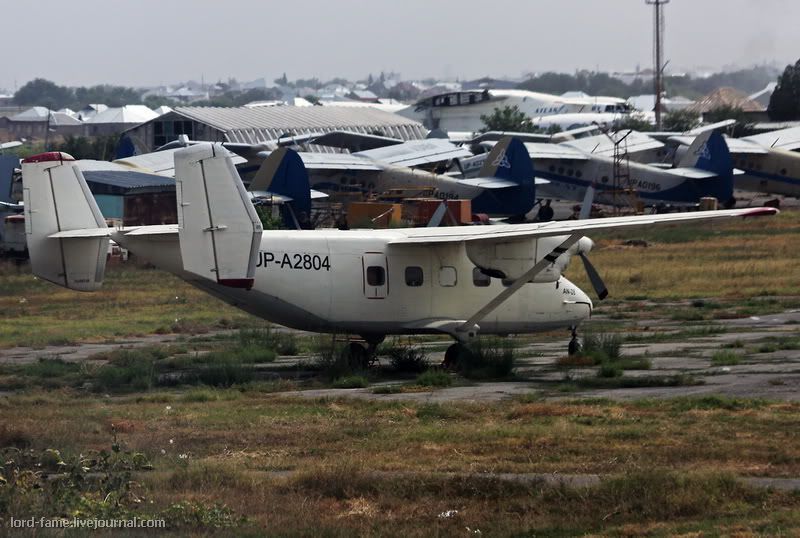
161 162
337 161
416 152
503 232
602 144
737 146
665 135
493 136
353 141
555 151
788 139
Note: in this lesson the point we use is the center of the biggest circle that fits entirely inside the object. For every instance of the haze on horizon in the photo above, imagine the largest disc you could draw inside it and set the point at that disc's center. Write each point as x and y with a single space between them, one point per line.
149 42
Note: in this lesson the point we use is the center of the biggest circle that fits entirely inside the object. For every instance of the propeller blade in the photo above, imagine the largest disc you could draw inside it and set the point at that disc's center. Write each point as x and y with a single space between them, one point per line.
594 277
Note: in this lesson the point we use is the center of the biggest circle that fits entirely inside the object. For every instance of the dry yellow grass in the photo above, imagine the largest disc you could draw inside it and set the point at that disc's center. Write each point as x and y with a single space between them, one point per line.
292 465
741 259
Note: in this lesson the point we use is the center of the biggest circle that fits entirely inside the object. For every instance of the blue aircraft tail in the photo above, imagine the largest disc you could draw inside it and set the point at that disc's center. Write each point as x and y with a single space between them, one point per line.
284 174
709 152
509 160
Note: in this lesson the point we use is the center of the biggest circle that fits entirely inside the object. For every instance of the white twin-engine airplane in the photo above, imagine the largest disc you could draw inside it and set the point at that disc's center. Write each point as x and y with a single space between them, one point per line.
461 281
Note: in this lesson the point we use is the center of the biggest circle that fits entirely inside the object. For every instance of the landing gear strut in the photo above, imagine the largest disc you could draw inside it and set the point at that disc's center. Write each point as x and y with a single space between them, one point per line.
574 346
356 356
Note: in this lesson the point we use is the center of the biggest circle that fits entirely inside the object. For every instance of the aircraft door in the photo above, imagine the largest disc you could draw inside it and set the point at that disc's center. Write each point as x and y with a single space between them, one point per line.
375 275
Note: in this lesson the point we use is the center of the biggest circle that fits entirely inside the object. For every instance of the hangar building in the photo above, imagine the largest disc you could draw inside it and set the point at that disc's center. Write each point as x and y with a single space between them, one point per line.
259 124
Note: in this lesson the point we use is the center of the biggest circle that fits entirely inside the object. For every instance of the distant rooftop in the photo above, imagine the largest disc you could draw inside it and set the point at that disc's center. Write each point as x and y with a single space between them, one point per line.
134 114
726 97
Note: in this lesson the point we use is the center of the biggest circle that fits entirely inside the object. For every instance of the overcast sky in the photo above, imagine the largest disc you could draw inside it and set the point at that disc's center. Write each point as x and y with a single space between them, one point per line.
150 42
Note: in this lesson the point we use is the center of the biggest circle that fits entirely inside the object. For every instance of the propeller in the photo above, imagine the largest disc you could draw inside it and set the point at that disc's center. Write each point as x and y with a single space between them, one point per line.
594 277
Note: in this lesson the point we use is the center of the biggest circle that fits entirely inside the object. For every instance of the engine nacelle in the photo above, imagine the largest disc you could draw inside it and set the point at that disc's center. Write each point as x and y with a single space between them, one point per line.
512 259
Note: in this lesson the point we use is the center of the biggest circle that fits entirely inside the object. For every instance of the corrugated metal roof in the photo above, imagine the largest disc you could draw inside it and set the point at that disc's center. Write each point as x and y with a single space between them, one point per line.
111 178
288 117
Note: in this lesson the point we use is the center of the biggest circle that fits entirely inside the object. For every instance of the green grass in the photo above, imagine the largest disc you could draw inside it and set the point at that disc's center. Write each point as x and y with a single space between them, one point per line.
434 378
725 357
488 358
351 382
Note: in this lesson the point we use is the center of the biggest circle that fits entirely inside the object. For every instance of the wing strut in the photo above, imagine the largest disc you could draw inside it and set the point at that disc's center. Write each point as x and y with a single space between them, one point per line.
471 323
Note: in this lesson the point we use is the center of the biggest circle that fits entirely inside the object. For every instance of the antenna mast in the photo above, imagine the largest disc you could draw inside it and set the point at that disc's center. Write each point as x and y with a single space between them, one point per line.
658 48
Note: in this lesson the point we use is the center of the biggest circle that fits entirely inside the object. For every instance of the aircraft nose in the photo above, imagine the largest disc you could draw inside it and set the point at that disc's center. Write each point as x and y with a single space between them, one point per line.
579 305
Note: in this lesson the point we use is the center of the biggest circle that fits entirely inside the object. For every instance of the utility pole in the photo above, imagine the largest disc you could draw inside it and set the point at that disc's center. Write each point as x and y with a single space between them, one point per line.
658 47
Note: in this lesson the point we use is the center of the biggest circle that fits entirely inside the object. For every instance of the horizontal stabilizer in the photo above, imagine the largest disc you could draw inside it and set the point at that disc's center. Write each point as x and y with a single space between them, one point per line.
691 173
82 234
158 229
488 183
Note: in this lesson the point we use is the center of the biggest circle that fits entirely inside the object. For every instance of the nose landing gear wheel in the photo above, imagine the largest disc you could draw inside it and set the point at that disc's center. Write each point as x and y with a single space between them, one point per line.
574 346
455 356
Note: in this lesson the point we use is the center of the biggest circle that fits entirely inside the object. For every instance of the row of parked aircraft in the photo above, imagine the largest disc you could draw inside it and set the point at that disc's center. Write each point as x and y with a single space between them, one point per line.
508 179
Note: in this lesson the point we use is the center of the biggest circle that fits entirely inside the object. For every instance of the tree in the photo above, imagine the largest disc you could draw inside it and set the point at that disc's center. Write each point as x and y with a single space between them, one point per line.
633 122
107 94
681 120
743 125
283 81
42 92
508 118
100 148
784 104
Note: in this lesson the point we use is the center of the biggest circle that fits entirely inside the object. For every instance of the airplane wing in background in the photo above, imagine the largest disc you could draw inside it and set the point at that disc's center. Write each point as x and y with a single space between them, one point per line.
416 152
353 141
737 146
161 162
787 139
602 144
337 161
555 151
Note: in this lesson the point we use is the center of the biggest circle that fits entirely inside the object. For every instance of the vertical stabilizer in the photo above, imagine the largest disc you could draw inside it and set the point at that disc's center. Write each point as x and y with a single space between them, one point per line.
66 234
218 227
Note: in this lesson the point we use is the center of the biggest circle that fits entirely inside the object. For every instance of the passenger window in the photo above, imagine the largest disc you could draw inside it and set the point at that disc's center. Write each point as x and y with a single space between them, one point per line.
376 275
479 279
414 276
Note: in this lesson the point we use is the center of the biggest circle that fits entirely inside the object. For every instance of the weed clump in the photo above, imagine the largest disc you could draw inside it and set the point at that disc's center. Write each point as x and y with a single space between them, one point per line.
725 357
408 360
351 382
434 378
488 358
280 343
602 347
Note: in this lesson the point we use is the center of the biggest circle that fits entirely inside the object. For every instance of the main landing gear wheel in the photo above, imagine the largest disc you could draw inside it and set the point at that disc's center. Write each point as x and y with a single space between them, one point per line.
356 356
455 356
574 344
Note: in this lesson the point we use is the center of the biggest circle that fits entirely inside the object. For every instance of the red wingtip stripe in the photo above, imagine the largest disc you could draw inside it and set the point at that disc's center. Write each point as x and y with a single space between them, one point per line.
242 283
50 156
761 212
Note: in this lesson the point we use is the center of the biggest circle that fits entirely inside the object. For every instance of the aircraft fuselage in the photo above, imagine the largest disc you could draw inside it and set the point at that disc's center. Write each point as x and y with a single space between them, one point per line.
355 282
